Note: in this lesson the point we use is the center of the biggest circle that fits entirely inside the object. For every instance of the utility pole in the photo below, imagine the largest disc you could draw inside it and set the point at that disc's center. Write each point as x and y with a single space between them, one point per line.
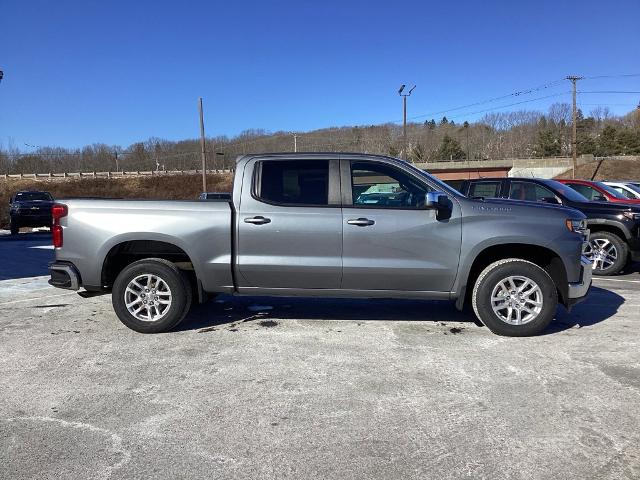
295 142
115 152
404 116
574 132
466 128
202 148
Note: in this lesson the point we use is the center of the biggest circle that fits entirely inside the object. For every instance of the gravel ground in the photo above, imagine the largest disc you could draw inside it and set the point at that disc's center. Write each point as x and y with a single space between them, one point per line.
296 388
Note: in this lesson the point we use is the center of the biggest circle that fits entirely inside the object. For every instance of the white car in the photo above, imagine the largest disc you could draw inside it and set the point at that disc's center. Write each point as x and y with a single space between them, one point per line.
628 189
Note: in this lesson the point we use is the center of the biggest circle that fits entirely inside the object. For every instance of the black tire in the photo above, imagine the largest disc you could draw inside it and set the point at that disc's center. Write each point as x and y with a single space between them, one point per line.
621 249
490 279
15 228
180 295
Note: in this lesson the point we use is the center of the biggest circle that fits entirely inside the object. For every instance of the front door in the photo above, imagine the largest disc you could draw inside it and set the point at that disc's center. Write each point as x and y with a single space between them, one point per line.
391 242
290 225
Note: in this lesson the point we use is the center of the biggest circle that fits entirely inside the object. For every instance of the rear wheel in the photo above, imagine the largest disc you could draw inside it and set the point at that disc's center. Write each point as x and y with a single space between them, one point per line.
151 296
608 253
515 298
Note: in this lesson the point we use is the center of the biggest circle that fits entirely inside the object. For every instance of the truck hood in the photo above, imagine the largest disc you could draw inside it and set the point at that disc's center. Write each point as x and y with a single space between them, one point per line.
606 207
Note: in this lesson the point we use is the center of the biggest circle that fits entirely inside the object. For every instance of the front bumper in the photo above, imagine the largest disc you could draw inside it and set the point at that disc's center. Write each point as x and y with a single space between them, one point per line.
578 291
64 275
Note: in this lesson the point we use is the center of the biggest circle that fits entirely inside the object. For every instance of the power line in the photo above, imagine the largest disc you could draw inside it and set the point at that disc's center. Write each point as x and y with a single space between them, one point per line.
495 99
608 104
611 91
511 104
613 76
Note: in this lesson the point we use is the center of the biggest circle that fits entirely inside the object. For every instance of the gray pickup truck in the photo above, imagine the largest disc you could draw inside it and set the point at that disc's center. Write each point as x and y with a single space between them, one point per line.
330 225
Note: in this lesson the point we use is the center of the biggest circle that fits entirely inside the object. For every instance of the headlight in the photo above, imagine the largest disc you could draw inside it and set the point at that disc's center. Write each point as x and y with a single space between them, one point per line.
631 215
576 226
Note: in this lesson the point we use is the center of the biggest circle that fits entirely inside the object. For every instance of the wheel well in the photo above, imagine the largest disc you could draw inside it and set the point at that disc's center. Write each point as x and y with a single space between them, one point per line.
607 228
126 253
545 258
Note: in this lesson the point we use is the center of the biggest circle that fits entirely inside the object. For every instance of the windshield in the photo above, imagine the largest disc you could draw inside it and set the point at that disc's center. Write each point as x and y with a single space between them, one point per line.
614 193
445 188
566 191
33 197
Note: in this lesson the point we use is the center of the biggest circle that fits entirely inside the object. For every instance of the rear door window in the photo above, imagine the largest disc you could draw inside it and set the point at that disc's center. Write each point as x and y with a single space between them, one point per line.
299 182
485 189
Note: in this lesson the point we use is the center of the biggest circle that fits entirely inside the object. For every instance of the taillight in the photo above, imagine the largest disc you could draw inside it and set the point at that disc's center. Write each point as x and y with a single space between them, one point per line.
56 234
58 211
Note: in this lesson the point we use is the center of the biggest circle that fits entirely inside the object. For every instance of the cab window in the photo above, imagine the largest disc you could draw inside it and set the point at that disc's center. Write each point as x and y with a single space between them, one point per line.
300 182
382 186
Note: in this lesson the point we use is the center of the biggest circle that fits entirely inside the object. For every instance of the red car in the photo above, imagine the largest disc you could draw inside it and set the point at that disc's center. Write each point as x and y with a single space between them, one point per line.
598 191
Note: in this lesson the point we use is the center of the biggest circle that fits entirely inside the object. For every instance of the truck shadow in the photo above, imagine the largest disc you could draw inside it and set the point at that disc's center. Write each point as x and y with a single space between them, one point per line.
600 305
229 312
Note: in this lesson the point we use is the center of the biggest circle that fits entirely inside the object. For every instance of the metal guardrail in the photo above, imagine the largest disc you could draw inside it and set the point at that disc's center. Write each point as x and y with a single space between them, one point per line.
108 174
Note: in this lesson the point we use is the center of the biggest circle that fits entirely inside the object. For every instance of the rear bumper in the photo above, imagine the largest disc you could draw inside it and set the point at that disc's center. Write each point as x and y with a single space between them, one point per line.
32 220
64 275
578 291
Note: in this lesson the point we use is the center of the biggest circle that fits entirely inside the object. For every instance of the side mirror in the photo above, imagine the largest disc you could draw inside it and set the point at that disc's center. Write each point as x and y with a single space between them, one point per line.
599 198
441 203
436 200
552 200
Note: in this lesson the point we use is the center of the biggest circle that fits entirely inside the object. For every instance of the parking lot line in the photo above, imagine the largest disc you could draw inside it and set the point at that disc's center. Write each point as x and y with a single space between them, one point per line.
617 280
37 298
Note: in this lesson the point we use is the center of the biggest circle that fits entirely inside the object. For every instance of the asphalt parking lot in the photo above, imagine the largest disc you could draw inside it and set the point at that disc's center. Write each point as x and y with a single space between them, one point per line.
296 388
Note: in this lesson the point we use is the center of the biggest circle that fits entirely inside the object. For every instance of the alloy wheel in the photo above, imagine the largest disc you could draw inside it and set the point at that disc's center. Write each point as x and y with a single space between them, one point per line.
148 298
516 300
602 253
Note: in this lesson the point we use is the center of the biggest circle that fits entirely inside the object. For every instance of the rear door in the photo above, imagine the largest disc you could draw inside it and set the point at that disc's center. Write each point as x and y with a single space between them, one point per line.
290 225
390 241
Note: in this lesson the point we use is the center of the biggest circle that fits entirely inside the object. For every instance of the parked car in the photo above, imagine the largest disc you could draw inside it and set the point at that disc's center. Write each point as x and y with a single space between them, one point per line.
29 209
598 191
295 227
614 227
628 189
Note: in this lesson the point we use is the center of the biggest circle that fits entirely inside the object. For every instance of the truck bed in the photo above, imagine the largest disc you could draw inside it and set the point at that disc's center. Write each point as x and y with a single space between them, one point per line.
202 228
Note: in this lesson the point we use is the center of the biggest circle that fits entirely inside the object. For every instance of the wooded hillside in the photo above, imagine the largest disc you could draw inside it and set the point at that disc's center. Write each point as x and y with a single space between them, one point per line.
518 134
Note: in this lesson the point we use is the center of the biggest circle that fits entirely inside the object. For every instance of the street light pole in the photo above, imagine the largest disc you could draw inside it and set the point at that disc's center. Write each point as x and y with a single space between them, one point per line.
202 149
404 116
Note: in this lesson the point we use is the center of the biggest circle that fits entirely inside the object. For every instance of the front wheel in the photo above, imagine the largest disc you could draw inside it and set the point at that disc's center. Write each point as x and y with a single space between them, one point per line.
15 228
515 298
608 253
151 296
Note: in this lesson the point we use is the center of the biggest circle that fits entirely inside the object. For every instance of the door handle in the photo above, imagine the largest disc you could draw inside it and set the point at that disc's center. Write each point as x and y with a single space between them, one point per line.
360 222
257 220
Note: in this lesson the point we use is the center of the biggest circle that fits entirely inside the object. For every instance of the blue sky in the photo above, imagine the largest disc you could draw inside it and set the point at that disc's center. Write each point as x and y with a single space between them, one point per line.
116 72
